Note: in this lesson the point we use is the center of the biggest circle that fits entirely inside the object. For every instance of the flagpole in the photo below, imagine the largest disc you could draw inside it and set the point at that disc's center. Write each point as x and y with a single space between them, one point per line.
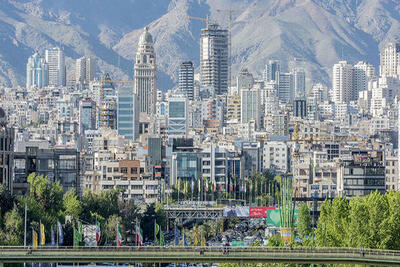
40 230
136 229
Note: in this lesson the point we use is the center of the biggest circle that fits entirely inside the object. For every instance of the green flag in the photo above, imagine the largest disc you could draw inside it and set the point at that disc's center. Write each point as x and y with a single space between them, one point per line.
156 230
80 231
76 238
162 238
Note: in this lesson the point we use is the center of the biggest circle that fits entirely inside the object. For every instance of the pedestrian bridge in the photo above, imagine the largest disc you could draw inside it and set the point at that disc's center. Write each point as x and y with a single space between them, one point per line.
238 255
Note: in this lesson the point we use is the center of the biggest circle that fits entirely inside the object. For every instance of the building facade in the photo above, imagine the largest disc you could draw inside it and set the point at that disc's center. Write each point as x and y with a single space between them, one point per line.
56 63
186 79
145 74
128 113
214 59
37 72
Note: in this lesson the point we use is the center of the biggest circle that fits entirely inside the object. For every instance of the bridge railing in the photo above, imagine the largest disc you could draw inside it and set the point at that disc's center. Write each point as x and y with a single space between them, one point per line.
235 250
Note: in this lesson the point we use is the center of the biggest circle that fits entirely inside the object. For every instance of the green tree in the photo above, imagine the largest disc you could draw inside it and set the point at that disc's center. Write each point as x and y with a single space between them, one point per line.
390 230
161 216
101 205
110 230
44 201
304 221
13 228
129 213
333 223
6 200
72 205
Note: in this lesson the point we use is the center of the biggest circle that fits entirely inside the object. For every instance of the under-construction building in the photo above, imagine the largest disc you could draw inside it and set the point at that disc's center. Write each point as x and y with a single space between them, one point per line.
108 103
57 164
214 59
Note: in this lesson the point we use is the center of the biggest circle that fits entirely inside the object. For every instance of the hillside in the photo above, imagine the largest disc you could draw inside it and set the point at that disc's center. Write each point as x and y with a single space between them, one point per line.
320 32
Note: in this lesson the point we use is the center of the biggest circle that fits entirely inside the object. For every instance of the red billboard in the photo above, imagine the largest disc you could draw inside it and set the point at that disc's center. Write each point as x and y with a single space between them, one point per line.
259 211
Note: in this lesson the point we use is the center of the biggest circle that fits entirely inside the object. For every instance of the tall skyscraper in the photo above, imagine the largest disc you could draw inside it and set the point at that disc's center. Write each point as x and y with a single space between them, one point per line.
91 65
244 80
85 70
285 87
37 72
342 82
390 60
128 113
56 62
186 79
145 74
108 103
250 106
87 115
362 74
214 59
80 70
270 70
299 80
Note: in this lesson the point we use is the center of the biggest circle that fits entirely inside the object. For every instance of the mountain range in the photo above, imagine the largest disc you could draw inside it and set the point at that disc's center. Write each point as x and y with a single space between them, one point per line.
318 33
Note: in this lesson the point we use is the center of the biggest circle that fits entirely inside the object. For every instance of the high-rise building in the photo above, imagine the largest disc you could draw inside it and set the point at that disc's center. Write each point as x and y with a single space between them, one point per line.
245 80
342 83
128 113
56 62
285 87
390 60
87 115
214 59
85 70
145 74
108 103
270 70
91 65
250 106
80 70
37 72
186 79
362 74
299 82
177 116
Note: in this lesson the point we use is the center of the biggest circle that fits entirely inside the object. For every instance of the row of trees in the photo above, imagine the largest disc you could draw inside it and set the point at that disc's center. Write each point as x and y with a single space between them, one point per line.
47 203
372 222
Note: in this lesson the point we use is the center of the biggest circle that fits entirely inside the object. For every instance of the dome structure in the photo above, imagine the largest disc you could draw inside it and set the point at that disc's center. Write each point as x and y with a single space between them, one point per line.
145 37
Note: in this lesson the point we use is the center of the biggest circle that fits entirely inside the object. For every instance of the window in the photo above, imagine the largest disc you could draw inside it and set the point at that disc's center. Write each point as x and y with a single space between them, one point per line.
124 169
109 169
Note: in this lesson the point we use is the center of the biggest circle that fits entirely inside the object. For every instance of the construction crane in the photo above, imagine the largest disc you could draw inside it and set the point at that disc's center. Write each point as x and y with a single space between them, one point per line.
201 19
231 11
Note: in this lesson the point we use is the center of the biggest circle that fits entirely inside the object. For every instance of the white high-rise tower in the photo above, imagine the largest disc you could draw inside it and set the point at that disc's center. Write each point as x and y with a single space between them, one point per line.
145 74
56 62
342 82
390 60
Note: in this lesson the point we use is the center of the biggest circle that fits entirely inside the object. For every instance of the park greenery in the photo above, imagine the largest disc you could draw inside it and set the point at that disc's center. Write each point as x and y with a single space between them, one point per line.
47 204
372 221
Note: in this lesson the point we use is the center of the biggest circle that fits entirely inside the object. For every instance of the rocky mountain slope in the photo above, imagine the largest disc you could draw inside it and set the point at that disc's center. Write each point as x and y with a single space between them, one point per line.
319 32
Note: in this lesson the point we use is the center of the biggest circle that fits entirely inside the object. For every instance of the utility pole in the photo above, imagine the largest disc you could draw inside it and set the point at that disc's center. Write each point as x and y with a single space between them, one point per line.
26 210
